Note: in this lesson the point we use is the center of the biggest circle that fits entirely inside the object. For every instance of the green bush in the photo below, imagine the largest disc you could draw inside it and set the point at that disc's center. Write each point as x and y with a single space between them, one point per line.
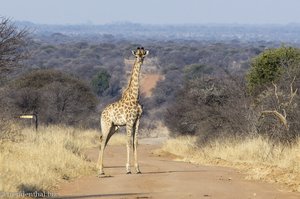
100 82
269 66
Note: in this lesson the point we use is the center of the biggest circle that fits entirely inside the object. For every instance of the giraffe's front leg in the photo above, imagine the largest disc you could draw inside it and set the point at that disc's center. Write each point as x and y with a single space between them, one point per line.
129 143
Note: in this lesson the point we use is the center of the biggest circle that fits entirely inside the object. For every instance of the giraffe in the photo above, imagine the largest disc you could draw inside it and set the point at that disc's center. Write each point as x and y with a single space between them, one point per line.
125 112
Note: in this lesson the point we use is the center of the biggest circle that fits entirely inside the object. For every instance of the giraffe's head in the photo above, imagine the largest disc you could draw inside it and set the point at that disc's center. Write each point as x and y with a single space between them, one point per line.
140 54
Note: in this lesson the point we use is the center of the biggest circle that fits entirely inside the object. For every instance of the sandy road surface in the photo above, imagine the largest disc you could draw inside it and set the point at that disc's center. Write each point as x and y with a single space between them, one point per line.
163 178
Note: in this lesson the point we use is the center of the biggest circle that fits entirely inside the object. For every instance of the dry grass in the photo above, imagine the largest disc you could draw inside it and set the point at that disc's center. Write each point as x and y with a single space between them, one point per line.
45 158
256 157
118 139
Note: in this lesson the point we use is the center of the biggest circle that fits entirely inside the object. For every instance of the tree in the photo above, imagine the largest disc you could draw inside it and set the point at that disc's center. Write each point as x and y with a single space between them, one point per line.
100 82
273 82
12 43
55 96
269 66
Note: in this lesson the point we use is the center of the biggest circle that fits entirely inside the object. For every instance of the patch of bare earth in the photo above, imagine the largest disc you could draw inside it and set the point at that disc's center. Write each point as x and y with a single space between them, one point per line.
148 83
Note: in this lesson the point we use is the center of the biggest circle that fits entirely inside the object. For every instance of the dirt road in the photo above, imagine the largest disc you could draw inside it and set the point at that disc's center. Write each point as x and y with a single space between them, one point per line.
163 178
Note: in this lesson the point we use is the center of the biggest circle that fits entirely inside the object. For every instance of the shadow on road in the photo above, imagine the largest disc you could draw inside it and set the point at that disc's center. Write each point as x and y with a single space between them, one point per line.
115 167
158 172
142 195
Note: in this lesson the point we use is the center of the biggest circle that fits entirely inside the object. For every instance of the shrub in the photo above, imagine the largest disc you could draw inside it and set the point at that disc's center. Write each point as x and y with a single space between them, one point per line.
100 82
209 107
268 66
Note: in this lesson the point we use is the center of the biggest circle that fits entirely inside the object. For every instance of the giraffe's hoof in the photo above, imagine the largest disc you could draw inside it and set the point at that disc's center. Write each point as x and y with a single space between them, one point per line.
128 172
100 174
138 172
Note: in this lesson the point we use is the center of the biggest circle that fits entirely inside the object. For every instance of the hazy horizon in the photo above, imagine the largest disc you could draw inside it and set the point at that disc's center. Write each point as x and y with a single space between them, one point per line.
212 24
155 12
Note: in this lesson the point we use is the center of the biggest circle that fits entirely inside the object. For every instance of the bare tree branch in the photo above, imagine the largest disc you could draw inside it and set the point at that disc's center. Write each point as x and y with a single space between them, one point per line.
12 40
293 93
281 117
280 111
275 92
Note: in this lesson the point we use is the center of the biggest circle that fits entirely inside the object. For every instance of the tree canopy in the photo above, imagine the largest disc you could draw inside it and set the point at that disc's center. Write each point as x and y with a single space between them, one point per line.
268 66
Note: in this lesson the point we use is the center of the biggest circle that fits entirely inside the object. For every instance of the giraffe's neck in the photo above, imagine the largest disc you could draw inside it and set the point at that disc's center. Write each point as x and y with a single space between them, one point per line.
132 91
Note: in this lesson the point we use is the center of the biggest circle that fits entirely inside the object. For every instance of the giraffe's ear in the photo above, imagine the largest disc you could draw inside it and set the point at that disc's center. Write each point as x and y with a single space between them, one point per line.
133 52
146 52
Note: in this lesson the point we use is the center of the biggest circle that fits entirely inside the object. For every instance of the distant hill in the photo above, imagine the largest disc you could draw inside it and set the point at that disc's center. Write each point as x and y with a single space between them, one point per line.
209 32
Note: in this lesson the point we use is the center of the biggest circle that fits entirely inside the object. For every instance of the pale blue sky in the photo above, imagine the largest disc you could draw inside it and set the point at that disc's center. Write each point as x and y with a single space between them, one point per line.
153 11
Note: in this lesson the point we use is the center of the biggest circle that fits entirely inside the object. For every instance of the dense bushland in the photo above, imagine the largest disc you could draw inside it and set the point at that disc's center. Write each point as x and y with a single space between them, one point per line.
214 104
203 82
56 97
209 107
100 65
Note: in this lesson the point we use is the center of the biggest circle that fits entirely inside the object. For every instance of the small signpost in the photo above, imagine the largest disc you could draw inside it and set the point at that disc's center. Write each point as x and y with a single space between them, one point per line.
26 116
31 116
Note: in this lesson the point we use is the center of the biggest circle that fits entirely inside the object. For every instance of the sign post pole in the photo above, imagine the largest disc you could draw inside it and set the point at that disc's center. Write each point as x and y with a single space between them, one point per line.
31 116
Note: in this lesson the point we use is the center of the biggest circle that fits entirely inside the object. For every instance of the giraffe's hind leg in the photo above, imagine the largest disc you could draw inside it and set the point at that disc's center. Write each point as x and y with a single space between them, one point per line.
135 144
98 162
106 128
129 144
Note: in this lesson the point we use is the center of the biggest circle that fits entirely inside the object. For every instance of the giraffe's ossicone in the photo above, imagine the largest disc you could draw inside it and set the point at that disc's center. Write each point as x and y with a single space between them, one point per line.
125 112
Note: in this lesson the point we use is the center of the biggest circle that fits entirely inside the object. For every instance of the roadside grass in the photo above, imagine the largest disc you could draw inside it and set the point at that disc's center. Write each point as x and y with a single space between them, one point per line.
118 139
256 157
41 160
